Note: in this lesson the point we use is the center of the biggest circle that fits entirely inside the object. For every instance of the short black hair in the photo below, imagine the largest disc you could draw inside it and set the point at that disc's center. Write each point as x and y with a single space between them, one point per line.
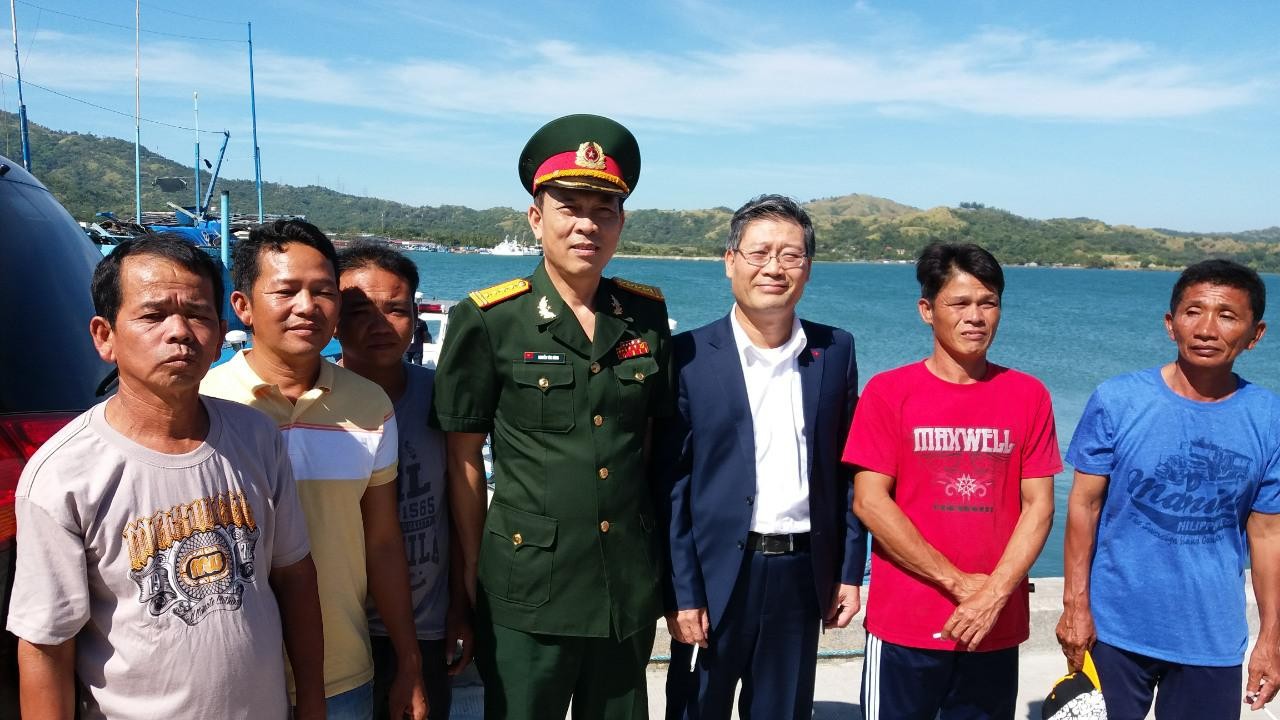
105 286
1222 272
368 253
274 236
939 262
770 207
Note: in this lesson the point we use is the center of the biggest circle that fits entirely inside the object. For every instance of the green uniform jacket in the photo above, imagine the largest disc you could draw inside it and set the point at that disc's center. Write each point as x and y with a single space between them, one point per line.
570 543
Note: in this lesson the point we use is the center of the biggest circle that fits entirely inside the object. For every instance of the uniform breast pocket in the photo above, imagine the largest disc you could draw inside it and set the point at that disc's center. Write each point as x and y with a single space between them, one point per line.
544 397
517 555
635 378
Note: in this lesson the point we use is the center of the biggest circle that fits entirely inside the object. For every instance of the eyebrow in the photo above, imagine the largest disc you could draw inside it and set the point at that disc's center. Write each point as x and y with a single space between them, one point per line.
167 304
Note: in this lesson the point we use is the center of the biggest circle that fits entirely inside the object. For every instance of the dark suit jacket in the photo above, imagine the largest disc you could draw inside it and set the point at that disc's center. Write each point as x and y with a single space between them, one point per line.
706 462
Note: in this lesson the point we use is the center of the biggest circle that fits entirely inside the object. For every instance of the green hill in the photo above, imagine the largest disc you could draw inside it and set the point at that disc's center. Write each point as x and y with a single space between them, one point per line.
90 174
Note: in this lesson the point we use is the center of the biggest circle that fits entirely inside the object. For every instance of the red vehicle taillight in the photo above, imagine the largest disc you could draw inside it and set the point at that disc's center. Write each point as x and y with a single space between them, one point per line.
20 436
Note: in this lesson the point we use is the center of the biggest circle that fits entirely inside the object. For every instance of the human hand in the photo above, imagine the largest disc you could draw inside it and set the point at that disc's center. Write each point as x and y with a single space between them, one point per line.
1076 634
693 626
673 627
974 617
407 696
846 603
1264 675
457 628
966 584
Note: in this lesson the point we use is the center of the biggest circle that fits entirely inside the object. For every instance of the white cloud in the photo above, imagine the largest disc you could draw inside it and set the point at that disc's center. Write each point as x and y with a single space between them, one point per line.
999 73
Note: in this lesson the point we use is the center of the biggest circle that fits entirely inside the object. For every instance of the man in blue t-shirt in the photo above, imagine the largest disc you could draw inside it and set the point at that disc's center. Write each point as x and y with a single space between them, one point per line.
1177 485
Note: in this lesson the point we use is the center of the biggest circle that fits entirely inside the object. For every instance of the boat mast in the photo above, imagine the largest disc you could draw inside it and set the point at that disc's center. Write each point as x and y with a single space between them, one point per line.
195 106
224 209
137 111
22 106
253 112
217 169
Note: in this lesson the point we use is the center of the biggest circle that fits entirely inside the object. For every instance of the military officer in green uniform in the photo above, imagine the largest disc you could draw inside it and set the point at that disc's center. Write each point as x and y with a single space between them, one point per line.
566 369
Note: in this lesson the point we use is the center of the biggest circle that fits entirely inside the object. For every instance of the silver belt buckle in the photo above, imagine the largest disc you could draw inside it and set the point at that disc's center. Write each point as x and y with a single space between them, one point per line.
769 543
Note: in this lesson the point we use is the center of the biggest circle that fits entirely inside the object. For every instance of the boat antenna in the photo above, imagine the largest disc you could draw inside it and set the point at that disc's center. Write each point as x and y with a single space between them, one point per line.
22 106
137 111
253 113
195 106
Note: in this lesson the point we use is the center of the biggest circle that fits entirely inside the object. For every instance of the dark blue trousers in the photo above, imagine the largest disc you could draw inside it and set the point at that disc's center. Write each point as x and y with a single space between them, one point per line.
1187 692
906 683
767 639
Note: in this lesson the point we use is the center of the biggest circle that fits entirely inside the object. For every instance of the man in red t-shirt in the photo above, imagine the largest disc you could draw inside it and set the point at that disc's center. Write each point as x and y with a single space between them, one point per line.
955 458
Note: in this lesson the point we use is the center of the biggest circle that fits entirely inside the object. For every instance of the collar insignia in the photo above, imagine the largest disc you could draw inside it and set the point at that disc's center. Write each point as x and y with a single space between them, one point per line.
617 306
544 309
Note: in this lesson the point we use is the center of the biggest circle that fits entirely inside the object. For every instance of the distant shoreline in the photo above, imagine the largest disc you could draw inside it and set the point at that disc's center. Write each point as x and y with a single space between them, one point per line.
1030 266
716 258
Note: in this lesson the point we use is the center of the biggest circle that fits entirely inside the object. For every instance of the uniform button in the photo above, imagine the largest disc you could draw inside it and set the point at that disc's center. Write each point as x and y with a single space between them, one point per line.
751 500
597 421
639 376
543 383
741 546
517 539
595 368
604 526
603 473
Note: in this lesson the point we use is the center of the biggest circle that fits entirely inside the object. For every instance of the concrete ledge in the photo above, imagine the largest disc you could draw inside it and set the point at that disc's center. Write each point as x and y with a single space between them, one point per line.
1046 608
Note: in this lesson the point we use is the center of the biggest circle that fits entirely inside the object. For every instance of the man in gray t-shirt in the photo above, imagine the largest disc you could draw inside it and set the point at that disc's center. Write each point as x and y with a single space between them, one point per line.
375 328
162 551
423 517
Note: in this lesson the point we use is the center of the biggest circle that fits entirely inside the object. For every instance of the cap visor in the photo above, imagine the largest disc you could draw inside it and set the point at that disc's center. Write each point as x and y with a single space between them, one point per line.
586 183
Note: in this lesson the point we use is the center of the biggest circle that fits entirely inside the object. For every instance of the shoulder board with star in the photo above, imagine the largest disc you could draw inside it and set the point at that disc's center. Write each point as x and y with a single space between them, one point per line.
501 292
640 289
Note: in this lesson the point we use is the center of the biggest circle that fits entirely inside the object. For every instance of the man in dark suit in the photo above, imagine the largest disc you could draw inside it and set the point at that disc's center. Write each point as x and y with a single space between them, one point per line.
763 546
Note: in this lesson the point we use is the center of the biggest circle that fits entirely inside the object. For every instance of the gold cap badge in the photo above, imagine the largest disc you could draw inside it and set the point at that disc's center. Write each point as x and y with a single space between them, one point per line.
590 156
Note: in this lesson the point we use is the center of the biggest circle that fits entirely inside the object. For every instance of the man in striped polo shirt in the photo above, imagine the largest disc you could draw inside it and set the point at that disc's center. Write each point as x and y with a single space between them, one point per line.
340 432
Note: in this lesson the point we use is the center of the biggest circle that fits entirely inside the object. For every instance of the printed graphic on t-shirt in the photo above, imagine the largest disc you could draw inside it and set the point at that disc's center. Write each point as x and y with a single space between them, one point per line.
417 517
193 558
1192 495
963 463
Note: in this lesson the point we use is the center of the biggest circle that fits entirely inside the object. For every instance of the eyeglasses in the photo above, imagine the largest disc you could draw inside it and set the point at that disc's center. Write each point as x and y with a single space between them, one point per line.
786 260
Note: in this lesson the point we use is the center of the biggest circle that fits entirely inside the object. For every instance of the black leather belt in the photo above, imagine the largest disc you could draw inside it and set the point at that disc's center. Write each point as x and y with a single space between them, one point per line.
777 544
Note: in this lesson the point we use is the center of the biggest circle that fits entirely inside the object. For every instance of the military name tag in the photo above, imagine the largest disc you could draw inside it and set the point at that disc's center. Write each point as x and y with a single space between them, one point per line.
544 358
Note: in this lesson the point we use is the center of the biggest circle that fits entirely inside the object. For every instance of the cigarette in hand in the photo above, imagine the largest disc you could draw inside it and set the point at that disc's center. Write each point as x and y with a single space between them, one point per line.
693 659
937 636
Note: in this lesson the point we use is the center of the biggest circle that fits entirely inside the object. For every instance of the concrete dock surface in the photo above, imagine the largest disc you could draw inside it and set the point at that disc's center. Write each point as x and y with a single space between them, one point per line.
839 675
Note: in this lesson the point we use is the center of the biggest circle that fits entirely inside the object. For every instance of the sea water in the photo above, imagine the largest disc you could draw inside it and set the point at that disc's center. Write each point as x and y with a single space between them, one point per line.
1071 328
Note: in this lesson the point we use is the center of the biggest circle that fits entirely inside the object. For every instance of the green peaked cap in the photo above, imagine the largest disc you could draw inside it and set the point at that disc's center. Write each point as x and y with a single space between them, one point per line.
586 152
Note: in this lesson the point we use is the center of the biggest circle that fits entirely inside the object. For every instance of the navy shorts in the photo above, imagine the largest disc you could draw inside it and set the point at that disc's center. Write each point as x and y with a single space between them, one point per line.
905 683
1186 692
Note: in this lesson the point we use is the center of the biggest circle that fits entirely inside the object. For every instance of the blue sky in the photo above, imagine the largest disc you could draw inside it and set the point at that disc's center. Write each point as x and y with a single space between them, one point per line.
1150 114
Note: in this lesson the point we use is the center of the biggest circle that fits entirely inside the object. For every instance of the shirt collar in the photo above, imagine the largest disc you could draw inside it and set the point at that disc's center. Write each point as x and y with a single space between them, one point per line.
255 383
752 355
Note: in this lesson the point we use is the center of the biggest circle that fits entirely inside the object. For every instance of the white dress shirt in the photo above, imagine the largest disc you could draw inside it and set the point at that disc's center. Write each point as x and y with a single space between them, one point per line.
776 400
